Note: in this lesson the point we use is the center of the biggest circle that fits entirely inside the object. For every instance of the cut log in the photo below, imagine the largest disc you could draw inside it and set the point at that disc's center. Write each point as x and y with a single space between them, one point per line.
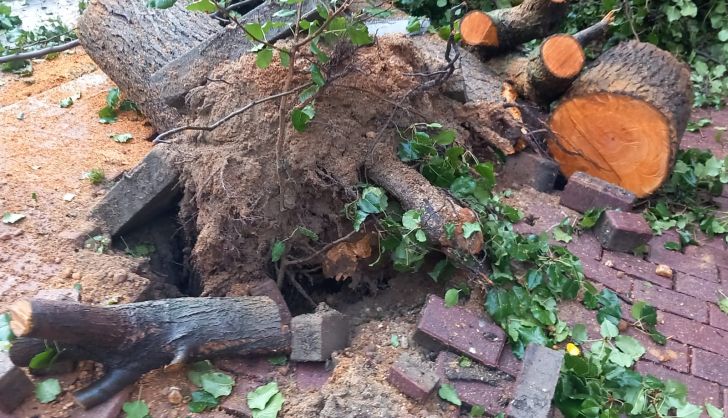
504 29
623 118
414 192
132 339
130 41
549 71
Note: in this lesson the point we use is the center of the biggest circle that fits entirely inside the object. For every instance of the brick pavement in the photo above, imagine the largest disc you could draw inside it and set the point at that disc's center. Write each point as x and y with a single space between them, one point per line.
697 349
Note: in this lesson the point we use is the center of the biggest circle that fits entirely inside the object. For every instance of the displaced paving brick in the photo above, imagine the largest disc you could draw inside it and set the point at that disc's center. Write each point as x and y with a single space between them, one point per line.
317 335
701 289
584 192
709 366
708 255
460 330
679 261
622 231
693 333
718 318
585 246
529 169
109 409
413 376
598 272
312 376
14 384
492 397
509 363
636 267
536 385
699 390
268 287
671 301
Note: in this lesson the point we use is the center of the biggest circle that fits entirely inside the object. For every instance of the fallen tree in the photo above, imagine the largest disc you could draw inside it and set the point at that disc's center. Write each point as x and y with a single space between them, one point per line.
132 339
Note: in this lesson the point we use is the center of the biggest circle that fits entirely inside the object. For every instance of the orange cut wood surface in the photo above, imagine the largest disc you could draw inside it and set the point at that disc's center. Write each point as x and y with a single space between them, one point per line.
563 56
615 137
477 28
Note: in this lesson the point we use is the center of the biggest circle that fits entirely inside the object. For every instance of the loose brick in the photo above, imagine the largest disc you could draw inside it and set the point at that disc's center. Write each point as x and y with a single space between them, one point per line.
693 333
622 231
584 192
536 384
509 363
709 366
492 397
268 287
671 301
460 330
527 168
636 267
111 408
413 377
699 390
708 255
14 384
701 289
317 335
585 246
718 318
679 261
598 272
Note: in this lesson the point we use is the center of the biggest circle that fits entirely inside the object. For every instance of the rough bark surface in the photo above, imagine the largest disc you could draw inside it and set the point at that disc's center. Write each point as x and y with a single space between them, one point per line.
130 41
623 118
132 339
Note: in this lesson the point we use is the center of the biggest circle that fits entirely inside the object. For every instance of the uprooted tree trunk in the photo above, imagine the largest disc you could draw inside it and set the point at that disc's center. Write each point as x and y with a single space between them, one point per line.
132 339
623 118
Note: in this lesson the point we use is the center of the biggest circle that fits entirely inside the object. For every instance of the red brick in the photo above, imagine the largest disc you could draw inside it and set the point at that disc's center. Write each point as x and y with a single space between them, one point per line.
413 377
14 385
673 354
459 330
679 261
718 318
527 168
709 366
598 272
493 398
509 363
708 255
585 246
671 301
701 289
622 231
111 408
584 192
636 267
693 333
699 390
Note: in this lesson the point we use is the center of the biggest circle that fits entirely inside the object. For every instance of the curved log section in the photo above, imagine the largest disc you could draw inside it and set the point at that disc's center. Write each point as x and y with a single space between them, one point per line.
132 339
414 192
623 118
504 29
551 70
130 41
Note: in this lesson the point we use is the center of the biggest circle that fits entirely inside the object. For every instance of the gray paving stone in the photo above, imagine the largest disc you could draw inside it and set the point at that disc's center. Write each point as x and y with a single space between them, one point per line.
317 335
536 384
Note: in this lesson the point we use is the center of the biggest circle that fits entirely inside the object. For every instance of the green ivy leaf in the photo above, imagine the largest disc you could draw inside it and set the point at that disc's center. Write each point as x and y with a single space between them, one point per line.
121 138
259 398
316 75
373 200
205 6
442 270
114 95
469 228
713 412
161 4
590 218
44 359
263 58
561 235
278 360
609 330
579 334
307 233
477 411
6 334
285 58
611 309
411 219
448 393
272 408
255 30
452 296
47 391
196 370
11 218
279 247
722 303
107 115
301 117
672 246
359 34
217 383
136 409
202 401
630 347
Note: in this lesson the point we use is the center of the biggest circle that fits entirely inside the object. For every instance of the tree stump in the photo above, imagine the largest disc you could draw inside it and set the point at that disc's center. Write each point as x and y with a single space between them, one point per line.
623 118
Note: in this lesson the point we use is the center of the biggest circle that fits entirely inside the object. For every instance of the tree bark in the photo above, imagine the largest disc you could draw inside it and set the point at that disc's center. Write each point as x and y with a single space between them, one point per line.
415 192
623 118
130 41
504 29
132 339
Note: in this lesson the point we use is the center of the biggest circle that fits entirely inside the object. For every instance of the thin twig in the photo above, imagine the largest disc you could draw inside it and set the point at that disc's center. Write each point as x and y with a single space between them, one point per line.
160 137
40 52
321 251
301 290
